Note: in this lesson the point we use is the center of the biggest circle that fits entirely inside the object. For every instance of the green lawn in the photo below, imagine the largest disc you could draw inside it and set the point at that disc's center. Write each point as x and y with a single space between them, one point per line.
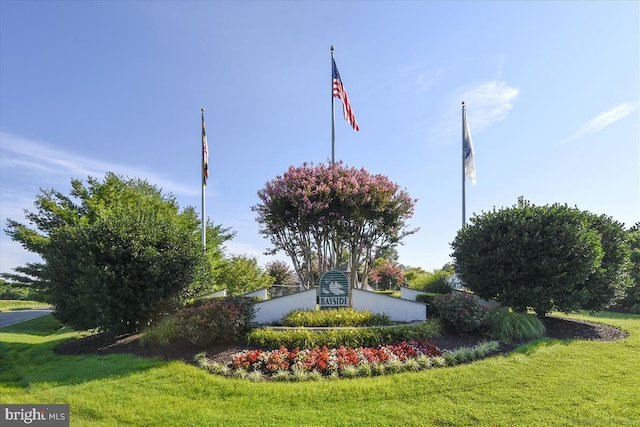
9 305
549 383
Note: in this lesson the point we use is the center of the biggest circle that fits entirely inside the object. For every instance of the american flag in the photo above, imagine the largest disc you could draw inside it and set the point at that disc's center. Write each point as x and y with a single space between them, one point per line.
205 154
339 92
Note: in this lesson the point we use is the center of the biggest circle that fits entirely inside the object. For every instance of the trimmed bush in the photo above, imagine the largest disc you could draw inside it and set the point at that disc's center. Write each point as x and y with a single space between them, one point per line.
348 337
544 257
508 326
218 320
461 310
331 318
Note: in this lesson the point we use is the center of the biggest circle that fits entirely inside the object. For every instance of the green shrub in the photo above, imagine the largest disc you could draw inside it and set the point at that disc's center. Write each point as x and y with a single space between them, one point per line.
219 320
339 317
508 326
544 257
427 298
348 337
438 282
423 331
631 302
461 310
307 338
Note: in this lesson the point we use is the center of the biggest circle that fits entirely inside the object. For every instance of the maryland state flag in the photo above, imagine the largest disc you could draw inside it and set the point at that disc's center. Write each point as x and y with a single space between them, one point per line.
205 153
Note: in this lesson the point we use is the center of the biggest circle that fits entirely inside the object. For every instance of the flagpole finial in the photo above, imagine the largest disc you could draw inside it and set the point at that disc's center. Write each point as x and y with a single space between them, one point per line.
202 109
333 48
463 103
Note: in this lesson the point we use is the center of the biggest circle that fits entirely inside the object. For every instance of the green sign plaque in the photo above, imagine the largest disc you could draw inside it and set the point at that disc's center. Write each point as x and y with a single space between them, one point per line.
334 290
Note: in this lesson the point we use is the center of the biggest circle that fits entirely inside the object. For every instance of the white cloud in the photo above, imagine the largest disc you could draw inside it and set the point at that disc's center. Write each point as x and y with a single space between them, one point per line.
604 119
26 166
487 103
22 158
14 255
413 79
426 80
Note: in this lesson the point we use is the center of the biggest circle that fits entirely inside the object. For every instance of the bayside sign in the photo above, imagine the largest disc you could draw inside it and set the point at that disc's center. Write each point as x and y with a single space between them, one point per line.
334 290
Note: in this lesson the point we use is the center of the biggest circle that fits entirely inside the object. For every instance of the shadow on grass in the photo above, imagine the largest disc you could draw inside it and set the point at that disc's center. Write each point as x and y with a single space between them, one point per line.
24 364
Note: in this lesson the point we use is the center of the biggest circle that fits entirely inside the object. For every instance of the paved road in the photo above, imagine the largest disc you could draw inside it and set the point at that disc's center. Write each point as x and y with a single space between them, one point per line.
10 317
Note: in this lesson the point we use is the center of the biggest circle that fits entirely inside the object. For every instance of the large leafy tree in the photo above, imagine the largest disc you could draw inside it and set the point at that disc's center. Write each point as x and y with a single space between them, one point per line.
241 274
544 257
115 252
632 300
611 281
331 210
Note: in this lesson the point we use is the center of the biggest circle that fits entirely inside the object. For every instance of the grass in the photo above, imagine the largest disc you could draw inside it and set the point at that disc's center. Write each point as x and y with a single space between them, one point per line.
548 382
508 326
10 305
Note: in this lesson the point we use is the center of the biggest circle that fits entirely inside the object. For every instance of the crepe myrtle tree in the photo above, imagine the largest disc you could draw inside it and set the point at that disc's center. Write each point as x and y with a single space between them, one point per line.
325 215
280 271
387 275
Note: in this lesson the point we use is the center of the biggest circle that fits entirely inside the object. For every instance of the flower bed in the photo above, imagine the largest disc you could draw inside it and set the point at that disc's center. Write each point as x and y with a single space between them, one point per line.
319 362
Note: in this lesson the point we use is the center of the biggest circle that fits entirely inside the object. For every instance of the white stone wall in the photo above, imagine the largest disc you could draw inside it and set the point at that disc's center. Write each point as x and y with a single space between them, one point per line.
260 293
409 294
218 294
400 310
275 309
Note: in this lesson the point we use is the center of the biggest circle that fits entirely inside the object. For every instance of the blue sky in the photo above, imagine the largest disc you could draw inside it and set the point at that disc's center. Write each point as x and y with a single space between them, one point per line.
552 92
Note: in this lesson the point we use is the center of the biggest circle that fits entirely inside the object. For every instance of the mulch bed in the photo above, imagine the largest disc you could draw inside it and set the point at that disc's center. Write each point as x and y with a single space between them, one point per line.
106 343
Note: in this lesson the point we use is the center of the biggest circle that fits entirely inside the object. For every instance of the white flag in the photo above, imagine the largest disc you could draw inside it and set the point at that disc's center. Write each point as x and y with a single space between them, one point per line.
468 152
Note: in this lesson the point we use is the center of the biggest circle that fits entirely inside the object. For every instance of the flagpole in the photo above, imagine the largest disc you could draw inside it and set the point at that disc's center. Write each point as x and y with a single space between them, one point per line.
333 113
204 185
464 217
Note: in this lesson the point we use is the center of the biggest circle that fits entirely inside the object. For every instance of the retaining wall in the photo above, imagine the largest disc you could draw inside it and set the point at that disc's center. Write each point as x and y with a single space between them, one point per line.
399 310
275 309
